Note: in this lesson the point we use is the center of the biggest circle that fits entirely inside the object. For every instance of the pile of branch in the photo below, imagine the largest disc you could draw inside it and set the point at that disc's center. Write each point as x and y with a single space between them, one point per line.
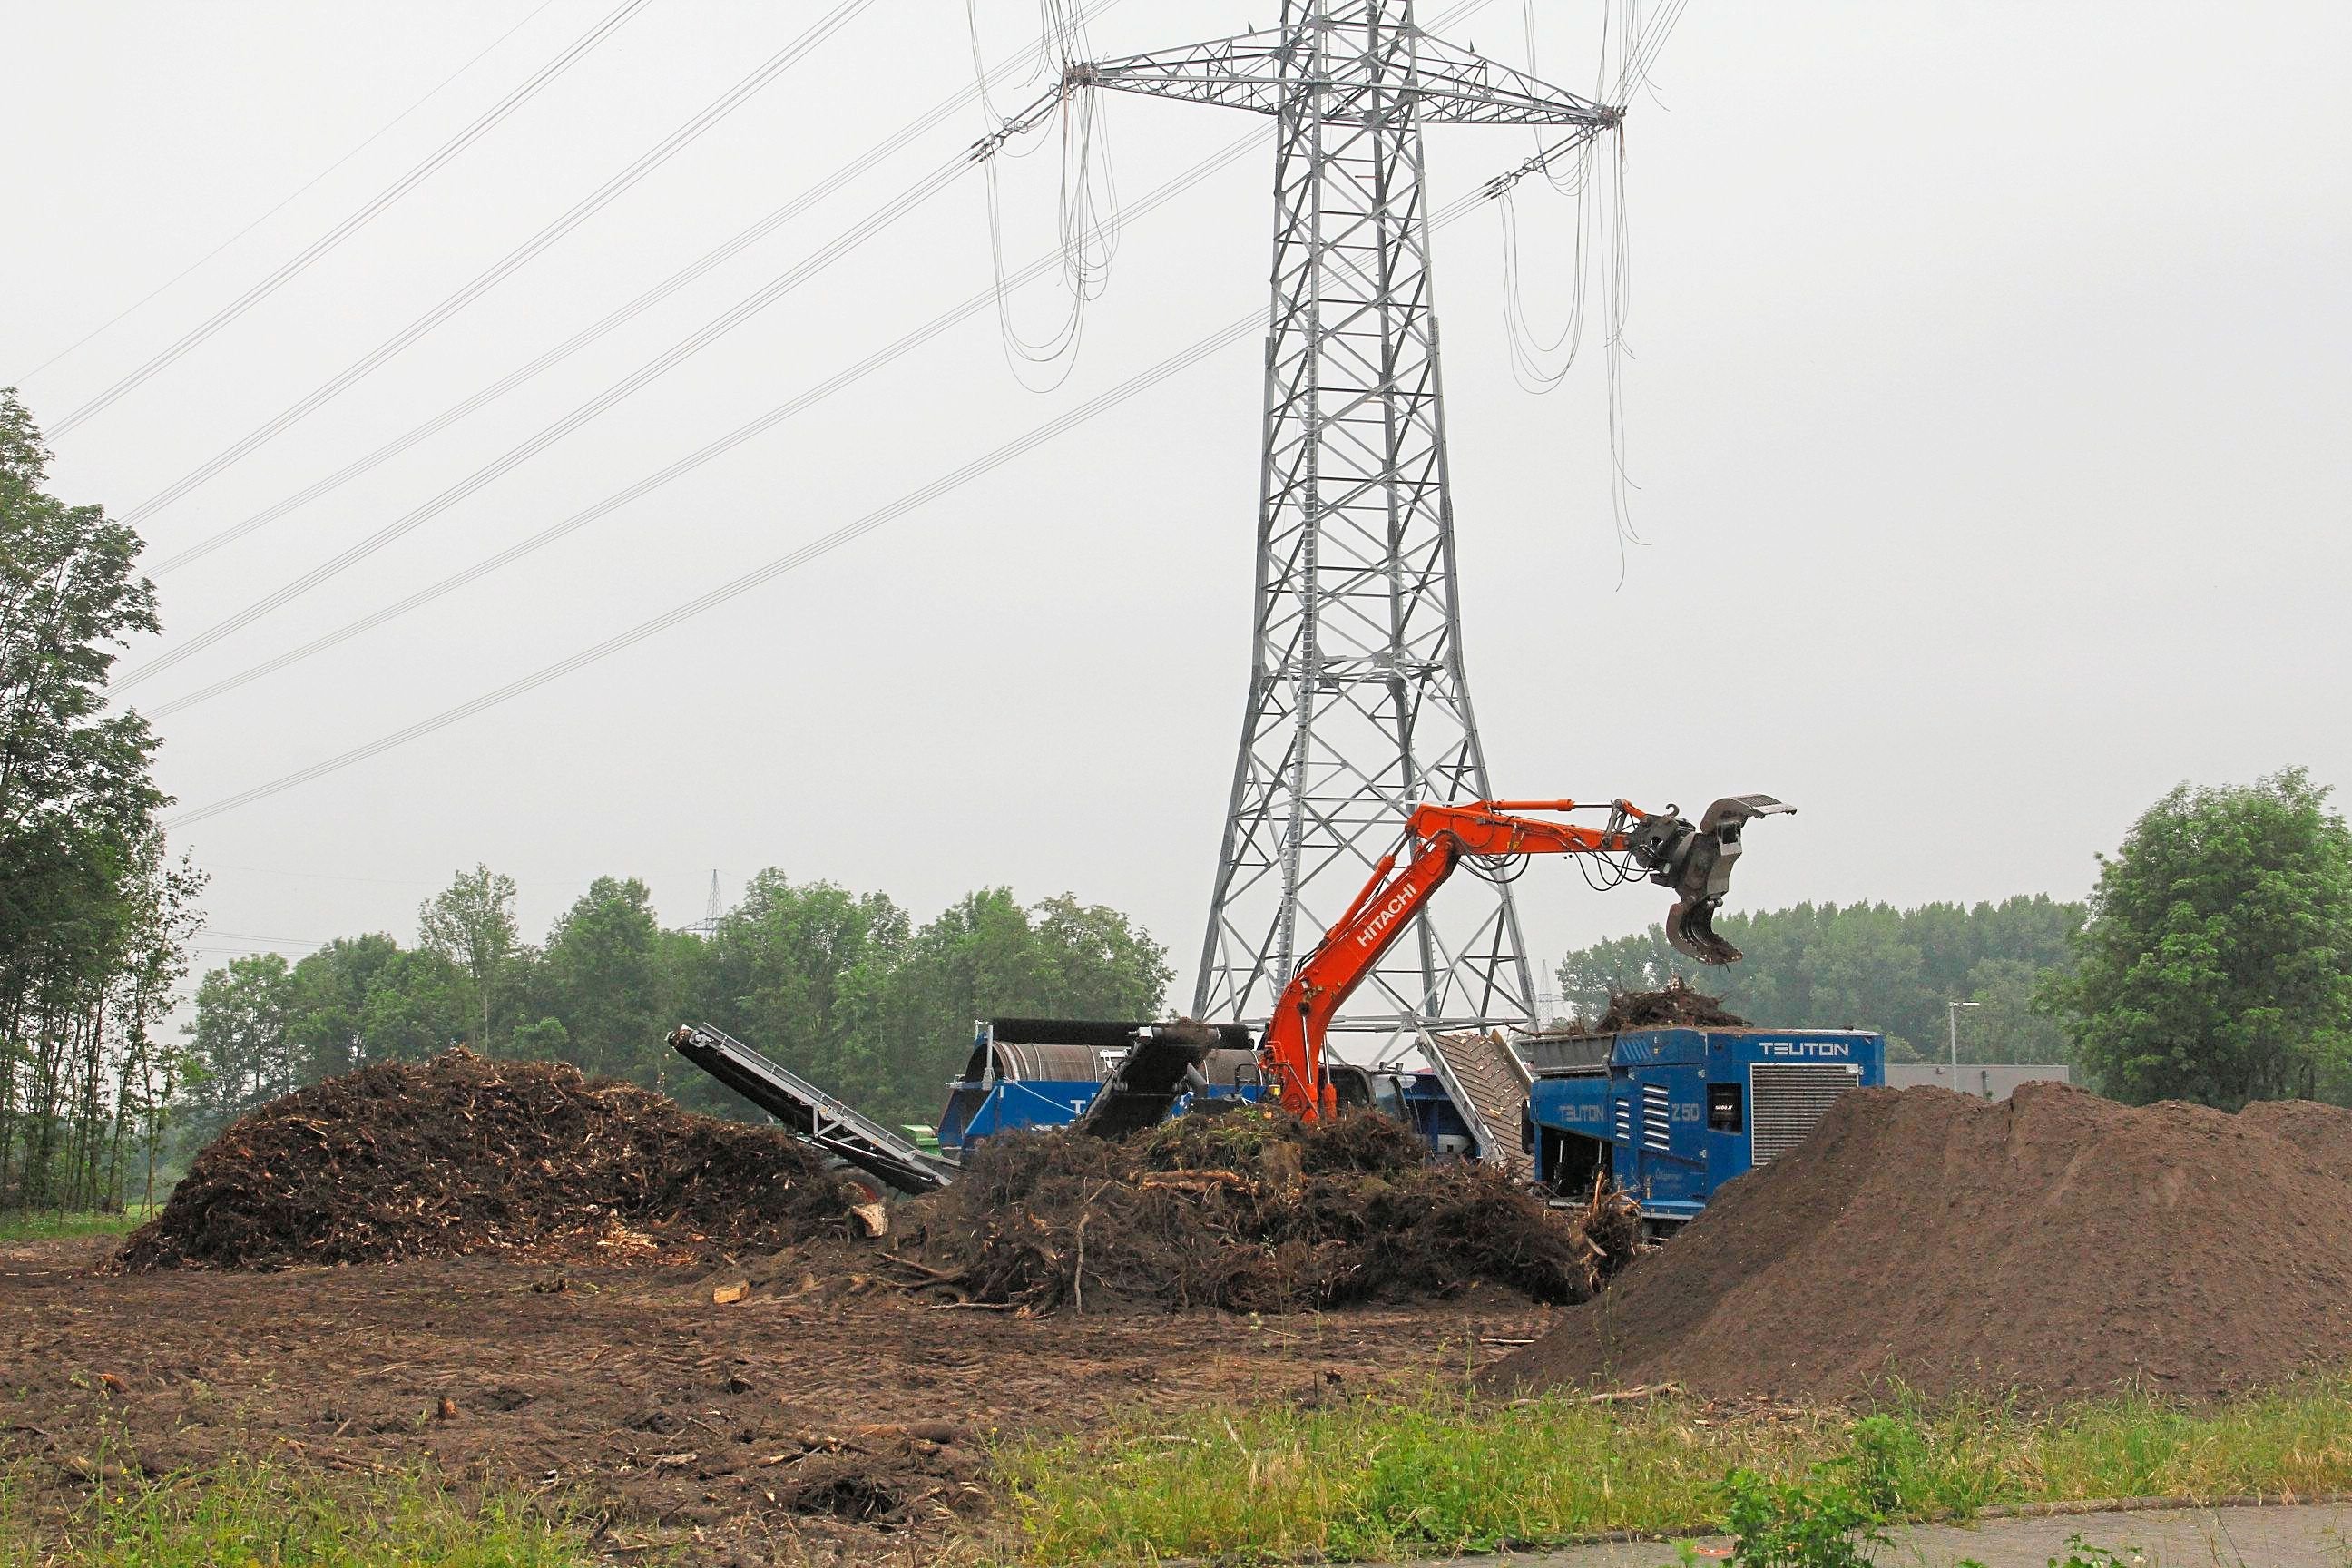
461 1154
1248 1211
1676 1005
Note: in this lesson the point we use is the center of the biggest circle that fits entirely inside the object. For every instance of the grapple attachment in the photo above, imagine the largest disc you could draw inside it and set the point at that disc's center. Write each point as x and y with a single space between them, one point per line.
1695 861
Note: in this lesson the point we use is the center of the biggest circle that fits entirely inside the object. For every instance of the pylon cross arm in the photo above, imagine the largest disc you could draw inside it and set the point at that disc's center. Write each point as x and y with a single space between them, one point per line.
1260 72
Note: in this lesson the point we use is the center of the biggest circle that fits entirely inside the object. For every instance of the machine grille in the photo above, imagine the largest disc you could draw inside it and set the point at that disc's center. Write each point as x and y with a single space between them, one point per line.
1787 1100
1657 1109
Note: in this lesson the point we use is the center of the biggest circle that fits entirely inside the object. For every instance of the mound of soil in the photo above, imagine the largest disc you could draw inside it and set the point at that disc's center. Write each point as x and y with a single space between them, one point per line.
2051 1244
1249 1210
1675 1006
460 1155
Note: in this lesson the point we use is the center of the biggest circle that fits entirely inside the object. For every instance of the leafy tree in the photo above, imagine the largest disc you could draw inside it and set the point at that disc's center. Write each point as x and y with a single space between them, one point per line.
602 976
70 596
986 956
240 1053
805 971
2216 962
328 1001
94 918
833 985
367 999
471 923
419 1004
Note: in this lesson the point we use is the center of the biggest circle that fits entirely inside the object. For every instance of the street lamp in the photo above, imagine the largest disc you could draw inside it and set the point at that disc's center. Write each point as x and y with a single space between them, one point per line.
1952 1016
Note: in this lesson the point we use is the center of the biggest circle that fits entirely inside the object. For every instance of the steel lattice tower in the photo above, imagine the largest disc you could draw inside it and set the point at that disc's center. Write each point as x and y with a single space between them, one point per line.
1358 707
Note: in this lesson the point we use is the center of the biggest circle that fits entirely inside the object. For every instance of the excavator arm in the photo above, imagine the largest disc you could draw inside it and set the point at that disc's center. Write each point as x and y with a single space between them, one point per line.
1695 859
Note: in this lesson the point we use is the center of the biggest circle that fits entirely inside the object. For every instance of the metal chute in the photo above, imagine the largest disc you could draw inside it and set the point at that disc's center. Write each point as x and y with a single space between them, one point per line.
1695 859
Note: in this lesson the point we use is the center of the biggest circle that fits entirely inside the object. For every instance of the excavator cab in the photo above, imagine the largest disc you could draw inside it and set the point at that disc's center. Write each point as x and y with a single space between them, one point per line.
1695 859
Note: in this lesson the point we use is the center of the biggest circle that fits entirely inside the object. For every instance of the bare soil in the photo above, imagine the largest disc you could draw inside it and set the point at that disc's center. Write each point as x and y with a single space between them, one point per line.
844 1423
2052 1245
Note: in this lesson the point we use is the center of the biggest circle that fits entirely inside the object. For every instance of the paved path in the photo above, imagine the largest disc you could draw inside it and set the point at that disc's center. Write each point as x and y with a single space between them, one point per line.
2315 1536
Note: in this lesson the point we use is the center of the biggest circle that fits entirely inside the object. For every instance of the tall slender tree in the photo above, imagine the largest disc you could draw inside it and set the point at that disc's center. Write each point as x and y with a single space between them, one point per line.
93 919
471 922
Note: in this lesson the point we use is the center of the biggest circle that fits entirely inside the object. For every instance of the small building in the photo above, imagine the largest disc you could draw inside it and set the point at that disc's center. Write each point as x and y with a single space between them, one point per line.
1986 1081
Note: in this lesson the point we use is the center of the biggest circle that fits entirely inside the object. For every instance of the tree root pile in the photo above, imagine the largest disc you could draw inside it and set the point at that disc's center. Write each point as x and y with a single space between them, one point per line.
883 1474
1248 1210
460 1155
2052 1245
1677 1005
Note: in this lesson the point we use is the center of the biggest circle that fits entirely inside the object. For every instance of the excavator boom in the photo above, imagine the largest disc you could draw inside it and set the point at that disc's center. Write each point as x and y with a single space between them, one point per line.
1693 859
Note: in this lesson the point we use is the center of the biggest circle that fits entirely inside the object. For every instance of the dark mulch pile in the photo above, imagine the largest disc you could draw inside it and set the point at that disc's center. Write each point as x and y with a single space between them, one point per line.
2054 1244
1249 1211
460 1155
1675 1006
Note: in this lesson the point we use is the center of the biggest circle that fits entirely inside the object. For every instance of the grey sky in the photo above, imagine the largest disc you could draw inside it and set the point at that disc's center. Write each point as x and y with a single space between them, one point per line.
1989 412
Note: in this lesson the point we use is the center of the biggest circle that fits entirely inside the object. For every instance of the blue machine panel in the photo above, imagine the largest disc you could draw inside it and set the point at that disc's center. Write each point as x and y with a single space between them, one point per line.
1044 1072
1672 1114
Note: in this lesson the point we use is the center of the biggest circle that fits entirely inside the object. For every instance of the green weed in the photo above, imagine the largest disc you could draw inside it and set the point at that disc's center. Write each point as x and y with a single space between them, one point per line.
1816 1521
1439 1470
251 1515
55 1225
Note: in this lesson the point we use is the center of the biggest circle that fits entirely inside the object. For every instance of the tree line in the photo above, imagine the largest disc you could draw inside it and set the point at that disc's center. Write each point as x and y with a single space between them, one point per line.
1867 966
842 987
2212 962
94 914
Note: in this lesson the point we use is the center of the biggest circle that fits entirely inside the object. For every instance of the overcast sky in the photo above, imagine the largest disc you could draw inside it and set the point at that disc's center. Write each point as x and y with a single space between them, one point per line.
1989 410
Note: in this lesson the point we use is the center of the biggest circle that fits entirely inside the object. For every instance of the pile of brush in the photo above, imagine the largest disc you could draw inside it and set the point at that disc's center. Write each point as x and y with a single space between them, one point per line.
1244 1209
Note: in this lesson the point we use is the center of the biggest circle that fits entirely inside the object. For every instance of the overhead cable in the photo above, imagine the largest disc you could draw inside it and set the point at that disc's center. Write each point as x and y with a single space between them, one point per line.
381 130
1087 201
697 458
482 282
474 130
645 375
743 239
824 544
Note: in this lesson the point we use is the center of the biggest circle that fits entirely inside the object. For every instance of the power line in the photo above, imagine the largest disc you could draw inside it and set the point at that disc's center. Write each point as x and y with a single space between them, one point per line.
677 353
211 864
766 421
248 936
481 283
742 240
824 544
741 432
475 129
381 130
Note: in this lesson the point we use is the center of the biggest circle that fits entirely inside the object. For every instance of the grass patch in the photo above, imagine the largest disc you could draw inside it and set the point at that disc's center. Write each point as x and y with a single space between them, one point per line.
1440 1471
254 1515
58 1225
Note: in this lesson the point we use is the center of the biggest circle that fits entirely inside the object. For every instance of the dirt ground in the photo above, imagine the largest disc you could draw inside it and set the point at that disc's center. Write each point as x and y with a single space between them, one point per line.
2048 1247
822 1426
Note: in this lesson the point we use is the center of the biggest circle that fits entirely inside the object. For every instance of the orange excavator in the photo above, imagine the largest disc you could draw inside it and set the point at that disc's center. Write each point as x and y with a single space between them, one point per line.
1695 859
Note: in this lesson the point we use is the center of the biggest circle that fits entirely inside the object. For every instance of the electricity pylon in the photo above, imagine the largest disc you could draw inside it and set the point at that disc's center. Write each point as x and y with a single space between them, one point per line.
707 928
1357 705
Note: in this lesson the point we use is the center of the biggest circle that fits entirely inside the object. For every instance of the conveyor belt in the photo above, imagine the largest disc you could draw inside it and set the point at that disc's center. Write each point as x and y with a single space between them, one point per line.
808 1111
1490 1087
1158 1071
